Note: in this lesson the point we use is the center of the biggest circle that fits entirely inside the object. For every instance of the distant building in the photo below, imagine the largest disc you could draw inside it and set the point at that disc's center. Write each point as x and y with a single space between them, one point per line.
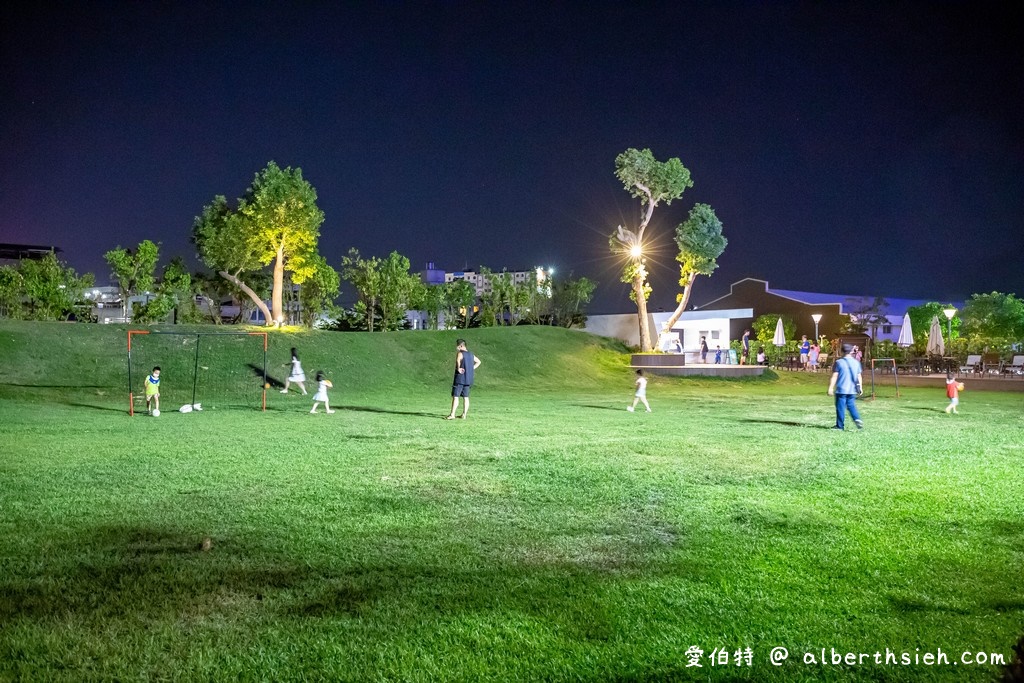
757 297
723 320
13 254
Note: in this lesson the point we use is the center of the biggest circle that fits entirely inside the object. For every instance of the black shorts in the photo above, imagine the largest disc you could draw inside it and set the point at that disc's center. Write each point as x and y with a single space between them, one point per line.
461 390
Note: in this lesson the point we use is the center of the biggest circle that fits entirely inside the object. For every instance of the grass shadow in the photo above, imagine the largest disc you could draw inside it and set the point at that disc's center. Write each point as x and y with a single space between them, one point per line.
595 407
385 411
786 423
257 371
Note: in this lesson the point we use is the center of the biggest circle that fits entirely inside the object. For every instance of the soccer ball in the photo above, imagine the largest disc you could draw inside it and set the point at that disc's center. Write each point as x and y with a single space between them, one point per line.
156 412
960 386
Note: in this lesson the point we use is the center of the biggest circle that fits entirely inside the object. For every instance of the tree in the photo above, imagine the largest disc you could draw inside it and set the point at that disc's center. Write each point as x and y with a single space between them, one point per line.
277 222
869 316
997 318
174 293
12 289
921 321
459 298
318 292
764 327
490 301
432 301
224 244
282 222
397 286
653 182
364 276
570 295
51 289
133 270
700 243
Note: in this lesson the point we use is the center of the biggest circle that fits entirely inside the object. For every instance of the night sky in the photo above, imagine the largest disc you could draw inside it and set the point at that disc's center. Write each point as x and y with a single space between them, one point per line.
861 148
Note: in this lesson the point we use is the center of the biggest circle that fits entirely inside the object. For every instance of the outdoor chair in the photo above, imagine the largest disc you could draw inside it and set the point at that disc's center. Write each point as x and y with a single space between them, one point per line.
991 362
822 361
1015 366
972 364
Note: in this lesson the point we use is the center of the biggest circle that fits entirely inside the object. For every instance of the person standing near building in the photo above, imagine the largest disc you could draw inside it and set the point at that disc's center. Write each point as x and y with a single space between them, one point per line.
845 385
745 347
703 350
465 364
805 352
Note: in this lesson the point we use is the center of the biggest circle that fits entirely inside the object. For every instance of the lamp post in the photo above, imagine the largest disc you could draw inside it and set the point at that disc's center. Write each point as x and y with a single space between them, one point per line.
950 312
816 317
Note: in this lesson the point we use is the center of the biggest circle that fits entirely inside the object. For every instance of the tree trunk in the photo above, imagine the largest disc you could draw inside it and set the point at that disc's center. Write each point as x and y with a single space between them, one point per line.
641 310
683 301
277 293
252 295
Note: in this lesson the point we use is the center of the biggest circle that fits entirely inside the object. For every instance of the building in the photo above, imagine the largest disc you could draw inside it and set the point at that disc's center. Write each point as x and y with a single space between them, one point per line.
482 283
13 254
723 320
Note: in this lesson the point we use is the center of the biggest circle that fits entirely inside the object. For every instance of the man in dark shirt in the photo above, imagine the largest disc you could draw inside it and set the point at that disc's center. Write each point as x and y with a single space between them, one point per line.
465 364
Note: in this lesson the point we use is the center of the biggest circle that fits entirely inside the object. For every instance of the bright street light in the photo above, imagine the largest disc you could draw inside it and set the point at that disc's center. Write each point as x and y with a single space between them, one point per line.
635 251
950 312
816 317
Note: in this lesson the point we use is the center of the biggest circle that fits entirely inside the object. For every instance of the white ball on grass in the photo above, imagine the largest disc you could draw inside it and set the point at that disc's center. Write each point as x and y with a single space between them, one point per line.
156 412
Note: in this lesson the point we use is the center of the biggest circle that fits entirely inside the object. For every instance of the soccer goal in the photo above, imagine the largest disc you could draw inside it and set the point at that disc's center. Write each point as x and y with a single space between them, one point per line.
884 365
214 369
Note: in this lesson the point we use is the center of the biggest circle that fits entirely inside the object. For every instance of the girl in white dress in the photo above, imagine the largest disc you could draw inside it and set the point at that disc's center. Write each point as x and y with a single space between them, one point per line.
322 383
297 375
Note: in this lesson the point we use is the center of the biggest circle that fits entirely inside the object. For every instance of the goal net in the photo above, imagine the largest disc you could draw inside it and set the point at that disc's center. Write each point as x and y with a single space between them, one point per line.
214 369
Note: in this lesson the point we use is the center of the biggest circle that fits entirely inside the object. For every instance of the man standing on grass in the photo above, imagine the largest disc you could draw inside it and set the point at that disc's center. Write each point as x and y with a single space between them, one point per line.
845 384
465 364
805 352
745 350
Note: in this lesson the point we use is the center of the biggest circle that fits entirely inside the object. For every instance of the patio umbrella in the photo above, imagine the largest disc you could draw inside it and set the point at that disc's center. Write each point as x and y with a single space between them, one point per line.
936 345
780 334
906 334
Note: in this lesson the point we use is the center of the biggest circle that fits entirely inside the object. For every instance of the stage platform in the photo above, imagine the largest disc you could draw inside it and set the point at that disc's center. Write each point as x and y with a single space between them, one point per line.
675 364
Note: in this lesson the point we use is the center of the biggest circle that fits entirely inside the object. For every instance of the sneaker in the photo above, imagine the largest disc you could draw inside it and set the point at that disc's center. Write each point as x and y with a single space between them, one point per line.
860 425
284 391
312 412
648 410
630 408
330 412
839 428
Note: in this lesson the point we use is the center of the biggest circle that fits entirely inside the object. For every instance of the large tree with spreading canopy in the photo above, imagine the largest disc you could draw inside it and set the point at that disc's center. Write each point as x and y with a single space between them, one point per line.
653 182
277 222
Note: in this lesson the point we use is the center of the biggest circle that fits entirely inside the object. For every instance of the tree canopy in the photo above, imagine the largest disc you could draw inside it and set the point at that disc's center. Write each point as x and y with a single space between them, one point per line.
277 222
700 243
653 182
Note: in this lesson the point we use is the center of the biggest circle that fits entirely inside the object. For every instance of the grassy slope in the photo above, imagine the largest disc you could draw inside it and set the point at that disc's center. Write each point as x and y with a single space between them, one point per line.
547 537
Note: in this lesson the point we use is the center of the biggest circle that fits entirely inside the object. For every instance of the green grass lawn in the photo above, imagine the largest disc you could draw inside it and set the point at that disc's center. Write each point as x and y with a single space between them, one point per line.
552 536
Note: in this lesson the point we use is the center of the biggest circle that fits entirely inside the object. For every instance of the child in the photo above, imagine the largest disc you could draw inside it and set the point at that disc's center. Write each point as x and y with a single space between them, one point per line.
153 389
718 355
812 357
297 375
641 392
953 389
762 358
322 383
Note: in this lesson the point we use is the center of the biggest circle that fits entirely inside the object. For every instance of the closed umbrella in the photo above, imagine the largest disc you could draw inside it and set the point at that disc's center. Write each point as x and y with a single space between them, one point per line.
780 334
906 334
936 345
